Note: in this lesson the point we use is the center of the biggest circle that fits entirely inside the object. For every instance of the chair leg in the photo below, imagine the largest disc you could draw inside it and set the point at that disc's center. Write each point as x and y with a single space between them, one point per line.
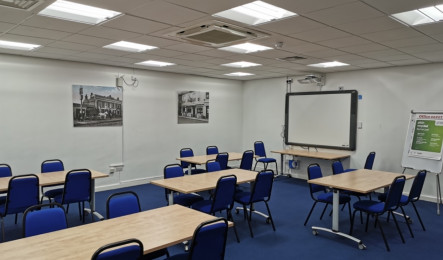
398 228
276 168
79 210
83 211
324 209
418 215
367 222
249 218
255 164
406 220
270 216
351 229
310 212
383 235
229 217
3 229
16 214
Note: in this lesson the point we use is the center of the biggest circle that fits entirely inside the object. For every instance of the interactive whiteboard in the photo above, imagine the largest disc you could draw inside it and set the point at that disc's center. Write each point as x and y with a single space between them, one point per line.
326 119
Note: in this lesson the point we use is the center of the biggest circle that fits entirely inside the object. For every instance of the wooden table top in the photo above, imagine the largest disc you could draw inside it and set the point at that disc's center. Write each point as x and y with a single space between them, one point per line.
202 159
49 178
203 181
362 180
312 154
156 229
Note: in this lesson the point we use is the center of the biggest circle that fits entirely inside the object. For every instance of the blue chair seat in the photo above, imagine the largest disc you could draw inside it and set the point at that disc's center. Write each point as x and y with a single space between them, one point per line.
203 206
370 206
403 200
266 160
3 200
187 199
327 198
2 209
196 171
53 193
183 256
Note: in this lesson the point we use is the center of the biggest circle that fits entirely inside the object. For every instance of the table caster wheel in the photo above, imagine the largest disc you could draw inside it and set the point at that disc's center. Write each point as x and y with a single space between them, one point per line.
361 246
314 232
268 220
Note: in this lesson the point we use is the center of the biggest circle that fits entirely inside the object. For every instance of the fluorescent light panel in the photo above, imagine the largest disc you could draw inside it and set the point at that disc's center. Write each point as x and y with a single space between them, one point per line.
255 13
129 46
239 74
329 64
154 63
245 48
425 15
241 64
18 45
78 12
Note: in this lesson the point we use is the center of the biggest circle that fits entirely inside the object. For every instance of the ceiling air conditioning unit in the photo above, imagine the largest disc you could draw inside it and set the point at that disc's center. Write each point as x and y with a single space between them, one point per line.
318 79
217 34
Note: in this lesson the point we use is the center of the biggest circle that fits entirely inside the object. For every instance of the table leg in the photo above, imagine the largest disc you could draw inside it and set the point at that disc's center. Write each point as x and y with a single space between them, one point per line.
92 209
171 197
281 163
438 193
189 168
335 222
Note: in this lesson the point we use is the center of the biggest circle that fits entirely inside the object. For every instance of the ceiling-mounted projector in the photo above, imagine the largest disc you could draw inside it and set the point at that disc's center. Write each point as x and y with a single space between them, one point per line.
318 79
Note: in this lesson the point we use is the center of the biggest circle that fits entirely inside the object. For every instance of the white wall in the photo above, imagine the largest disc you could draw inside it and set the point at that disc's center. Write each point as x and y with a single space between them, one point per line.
36 119
388 96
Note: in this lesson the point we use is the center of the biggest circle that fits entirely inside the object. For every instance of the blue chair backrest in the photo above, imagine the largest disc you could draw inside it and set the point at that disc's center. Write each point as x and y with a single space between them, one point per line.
37 220
23 192
247 160
172 171
337 167
211 150
212 166
209 240
259 148
224 193
314 172
53 165
370 161
222 159
122 204
185 152
261 191
417 186
130 249
394 193
5 170
77 186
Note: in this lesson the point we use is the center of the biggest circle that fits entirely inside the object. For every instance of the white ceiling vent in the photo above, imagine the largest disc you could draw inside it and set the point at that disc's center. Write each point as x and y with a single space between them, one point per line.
21 4
217 34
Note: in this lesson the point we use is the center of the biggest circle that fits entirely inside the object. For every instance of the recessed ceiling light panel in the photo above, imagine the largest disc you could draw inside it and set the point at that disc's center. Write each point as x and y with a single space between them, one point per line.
18 46
255 13
239 74
241 64
425 15
154 63
78 12
329 64
129 46
245 48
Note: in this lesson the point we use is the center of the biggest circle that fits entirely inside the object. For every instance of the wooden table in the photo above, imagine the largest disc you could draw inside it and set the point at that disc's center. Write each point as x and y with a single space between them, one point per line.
157 229
309 154
202 182
362 181
55 178
202 159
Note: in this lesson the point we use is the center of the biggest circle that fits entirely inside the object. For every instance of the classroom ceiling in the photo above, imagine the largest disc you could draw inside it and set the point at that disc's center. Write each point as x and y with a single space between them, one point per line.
357 32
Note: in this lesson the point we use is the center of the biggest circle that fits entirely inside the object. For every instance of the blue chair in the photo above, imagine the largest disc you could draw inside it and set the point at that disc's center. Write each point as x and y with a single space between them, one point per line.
37 220
122 204
5 171
414 196
223 199
52 165
369 162
222 159
259 149
208 242
172 171
319 194
212 166
77 189
247 160
187 152
212 149
23 192
260 191
129 249
377 208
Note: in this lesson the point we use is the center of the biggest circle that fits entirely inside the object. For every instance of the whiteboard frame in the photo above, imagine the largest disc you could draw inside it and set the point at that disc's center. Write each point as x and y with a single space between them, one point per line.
352 114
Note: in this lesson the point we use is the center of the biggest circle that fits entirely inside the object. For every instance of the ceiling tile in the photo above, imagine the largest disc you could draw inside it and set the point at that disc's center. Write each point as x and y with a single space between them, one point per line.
25 39
78 38
4 27
344 42
186 47
209 7
397 6
38 32
418 41
321 34
109 33
370 25
135 24
307 6
291 25
71 46
55 24
364 48
10 15
391 35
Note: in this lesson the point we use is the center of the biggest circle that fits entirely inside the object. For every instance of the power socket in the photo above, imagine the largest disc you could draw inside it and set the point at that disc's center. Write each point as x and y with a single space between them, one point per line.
119 82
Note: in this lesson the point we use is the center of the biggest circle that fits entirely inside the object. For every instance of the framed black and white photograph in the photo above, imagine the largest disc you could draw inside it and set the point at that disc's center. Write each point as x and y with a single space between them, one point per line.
193 107
97 106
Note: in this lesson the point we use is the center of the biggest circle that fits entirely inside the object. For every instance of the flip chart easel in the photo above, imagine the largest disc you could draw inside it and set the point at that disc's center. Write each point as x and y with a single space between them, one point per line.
423 145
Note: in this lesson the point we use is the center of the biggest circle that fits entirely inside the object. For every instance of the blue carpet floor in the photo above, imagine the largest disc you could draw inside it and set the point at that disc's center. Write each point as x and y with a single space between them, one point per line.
289 205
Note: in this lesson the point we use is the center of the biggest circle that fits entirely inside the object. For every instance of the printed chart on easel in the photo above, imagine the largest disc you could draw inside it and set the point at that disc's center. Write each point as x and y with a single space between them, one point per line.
423 145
